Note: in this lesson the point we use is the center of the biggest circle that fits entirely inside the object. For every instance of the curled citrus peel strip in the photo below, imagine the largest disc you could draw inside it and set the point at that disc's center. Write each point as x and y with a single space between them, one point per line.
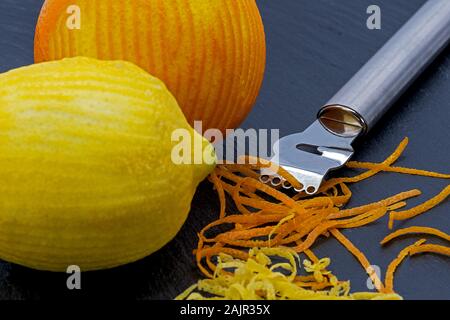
415 230
416 248
220 191
424 207
383 203
371 166
389 279
376 169
430 248
360 257
269 217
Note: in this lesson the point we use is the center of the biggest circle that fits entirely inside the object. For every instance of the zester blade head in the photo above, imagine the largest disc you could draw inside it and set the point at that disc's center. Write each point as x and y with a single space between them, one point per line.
308 156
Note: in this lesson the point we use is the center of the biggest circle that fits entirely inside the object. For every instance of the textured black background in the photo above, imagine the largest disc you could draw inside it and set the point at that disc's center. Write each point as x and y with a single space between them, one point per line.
314 47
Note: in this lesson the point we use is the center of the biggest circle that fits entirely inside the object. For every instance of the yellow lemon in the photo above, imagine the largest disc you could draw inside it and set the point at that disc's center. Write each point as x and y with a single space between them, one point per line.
86 169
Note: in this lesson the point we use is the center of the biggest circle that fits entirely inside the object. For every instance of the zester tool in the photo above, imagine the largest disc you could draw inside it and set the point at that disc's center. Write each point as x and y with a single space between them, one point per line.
326 145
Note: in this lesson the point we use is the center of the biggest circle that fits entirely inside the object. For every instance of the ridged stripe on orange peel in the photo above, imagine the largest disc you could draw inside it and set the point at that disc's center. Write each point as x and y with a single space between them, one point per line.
220 78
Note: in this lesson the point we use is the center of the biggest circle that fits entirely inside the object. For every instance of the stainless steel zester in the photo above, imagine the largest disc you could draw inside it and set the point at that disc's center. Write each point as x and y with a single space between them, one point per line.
327 144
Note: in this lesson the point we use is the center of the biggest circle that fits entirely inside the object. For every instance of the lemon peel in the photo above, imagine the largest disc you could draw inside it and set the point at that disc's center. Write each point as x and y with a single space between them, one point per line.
263 277
85 165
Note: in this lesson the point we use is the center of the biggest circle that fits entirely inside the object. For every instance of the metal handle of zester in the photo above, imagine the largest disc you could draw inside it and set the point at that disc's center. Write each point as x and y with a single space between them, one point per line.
357 107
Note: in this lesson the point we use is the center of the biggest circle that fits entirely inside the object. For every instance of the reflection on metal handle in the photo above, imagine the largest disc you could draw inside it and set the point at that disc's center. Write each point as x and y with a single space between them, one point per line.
369 94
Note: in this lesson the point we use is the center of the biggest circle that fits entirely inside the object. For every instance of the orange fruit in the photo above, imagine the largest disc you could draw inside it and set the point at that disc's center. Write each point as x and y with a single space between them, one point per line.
211 54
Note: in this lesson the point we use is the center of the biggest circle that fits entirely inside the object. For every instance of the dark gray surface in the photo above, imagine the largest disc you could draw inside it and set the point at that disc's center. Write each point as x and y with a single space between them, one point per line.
314 47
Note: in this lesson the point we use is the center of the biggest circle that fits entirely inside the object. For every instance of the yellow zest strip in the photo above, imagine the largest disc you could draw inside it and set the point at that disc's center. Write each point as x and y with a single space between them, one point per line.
375 296
258 277
371 166
187 292
408 214
419 230
361 258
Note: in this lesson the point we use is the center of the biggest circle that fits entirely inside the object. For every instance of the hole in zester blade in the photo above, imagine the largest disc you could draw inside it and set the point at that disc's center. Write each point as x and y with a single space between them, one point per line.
309 148
287 184
276 181
311 190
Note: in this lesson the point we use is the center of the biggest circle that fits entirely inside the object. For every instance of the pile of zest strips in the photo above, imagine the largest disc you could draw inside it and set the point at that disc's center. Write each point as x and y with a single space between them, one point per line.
266 217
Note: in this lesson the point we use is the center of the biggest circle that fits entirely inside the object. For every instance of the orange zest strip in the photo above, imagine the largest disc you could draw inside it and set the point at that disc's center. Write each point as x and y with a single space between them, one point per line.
341 200
386 202
408 214
269 191
371 166
235 195
244 170
361 258
199 253
364 219
220 191
243 234
311 256
238 219
389 279
297 228
315 234
397 206
386 163
305 279
431 248
418 230
350 223
235 253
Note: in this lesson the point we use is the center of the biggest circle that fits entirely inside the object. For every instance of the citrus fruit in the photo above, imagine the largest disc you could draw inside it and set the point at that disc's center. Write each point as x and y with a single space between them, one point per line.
210 54
86 167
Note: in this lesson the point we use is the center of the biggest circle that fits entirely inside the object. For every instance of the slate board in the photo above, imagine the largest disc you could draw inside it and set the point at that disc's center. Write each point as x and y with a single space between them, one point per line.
314 47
